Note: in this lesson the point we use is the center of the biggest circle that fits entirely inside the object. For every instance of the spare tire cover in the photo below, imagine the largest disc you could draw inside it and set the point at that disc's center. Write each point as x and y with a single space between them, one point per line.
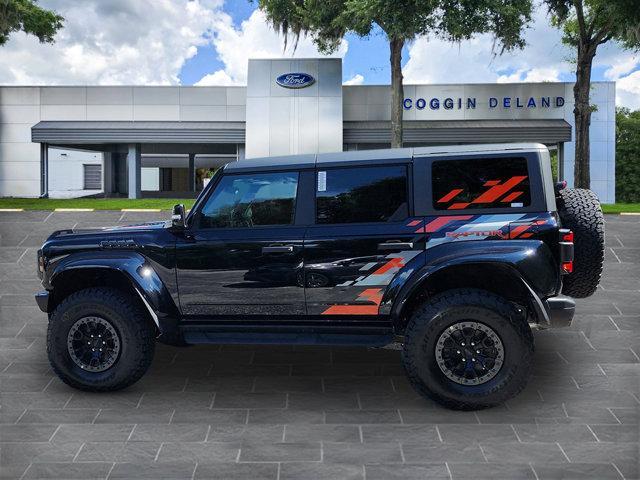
580 211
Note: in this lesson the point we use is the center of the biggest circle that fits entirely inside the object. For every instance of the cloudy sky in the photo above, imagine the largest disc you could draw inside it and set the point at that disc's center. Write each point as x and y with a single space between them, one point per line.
208 42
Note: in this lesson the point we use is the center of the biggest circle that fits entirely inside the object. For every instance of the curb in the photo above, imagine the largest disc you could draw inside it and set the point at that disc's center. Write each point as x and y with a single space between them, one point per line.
92 210
68 210
629 213
73 209
141 210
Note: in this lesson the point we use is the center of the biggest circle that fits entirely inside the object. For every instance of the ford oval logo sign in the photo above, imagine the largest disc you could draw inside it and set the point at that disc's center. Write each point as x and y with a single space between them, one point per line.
295 80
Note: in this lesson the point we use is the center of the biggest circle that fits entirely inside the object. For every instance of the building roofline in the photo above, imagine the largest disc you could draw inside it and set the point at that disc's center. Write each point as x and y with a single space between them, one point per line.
343 85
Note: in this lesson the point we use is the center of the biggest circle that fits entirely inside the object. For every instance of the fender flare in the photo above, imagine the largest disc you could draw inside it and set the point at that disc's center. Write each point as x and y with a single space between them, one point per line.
138 270
529 262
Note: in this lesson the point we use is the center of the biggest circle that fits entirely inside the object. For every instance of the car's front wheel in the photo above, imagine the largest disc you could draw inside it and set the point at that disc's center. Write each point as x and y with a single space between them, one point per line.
467 349
99 339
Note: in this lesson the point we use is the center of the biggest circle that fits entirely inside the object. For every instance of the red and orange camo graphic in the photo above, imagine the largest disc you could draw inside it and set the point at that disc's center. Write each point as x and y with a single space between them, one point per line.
496 190
433 231
372 297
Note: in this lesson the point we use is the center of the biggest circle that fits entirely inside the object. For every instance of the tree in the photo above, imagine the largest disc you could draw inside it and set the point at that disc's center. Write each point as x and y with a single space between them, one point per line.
627 155
327 22
28 17
587 24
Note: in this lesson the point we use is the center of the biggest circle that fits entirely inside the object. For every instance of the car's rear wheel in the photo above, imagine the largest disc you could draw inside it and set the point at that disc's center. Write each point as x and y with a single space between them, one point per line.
580 211
467 349
317 280
99 339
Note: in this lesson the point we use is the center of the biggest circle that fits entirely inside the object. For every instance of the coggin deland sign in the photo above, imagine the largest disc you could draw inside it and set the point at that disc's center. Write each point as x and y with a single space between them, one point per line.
302 80
469 103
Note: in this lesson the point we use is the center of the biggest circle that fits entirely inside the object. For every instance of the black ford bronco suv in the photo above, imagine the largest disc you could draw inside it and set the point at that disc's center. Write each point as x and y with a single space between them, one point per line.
455 253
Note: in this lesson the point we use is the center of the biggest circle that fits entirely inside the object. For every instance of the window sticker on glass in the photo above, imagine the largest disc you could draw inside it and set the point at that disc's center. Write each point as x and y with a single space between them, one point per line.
322 181
517 205
362 194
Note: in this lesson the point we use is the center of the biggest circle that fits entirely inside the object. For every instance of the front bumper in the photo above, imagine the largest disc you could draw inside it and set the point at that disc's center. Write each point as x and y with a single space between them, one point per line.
560 310
42 299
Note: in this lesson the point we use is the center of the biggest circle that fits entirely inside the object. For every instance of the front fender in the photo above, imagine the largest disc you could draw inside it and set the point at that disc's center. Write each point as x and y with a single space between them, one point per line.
530 261
141 273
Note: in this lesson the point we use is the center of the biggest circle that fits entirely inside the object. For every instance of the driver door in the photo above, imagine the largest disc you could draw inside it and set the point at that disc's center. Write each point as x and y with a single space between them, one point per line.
243 255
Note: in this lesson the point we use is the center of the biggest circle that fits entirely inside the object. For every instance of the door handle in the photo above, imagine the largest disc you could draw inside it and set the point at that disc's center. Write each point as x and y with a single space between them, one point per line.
395 246
278 249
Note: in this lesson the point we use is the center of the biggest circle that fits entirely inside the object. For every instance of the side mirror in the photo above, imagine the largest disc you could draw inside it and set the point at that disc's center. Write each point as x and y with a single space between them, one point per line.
177 216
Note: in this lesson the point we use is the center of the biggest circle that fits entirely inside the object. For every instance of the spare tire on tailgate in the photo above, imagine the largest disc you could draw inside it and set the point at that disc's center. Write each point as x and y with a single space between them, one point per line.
580 211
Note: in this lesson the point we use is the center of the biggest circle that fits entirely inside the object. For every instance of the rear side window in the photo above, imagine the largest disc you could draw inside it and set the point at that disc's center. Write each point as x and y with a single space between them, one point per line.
362 194
481 183
243 201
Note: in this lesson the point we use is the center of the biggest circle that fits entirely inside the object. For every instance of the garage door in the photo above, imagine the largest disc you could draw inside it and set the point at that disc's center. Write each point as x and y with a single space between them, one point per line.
93 177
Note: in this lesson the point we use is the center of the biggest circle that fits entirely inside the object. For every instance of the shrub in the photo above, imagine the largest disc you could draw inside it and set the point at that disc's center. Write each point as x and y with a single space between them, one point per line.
627 155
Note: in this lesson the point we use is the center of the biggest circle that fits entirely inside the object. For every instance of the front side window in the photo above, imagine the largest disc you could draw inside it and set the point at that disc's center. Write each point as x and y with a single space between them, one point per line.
480 183
362 194
242 201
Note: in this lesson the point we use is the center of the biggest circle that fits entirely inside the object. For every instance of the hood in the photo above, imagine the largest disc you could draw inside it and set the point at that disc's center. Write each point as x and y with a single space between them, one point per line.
124 230
63 242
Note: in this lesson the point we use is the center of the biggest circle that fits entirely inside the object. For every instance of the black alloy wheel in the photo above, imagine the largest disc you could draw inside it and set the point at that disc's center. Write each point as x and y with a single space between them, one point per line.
469 353
93 344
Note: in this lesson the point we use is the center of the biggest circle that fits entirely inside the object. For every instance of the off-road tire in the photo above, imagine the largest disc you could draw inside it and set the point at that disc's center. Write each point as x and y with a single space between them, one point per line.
580 211
136 335
434 316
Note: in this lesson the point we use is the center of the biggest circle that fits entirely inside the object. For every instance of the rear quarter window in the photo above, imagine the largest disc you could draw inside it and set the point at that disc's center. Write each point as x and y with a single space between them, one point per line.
481 183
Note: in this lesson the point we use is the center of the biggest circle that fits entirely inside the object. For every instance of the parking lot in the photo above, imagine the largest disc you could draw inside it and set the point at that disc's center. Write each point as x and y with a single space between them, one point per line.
269 412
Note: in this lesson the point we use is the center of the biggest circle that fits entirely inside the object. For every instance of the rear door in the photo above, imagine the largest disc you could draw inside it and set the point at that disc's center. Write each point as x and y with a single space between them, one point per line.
362 236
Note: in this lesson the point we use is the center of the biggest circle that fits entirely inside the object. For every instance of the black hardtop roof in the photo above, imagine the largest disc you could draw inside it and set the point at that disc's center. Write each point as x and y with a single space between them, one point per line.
360 157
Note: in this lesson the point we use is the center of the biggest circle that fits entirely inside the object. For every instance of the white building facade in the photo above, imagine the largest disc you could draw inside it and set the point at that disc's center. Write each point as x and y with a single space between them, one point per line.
161 141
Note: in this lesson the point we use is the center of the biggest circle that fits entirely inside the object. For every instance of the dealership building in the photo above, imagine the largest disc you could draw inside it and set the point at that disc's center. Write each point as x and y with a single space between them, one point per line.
147 141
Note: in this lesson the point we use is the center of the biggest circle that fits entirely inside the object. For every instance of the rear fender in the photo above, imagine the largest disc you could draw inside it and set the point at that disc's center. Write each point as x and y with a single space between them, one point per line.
137 272
528 262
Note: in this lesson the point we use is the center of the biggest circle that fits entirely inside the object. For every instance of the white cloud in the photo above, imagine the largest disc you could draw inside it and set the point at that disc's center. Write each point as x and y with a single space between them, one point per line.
628 91
621 69
114 42
143 42
545 58
531 75
253 39
149 41
219 77
357 79
621 65
432 60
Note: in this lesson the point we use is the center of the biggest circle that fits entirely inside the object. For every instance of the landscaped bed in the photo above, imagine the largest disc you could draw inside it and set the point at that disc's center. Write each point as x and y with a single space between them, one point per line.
94 203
